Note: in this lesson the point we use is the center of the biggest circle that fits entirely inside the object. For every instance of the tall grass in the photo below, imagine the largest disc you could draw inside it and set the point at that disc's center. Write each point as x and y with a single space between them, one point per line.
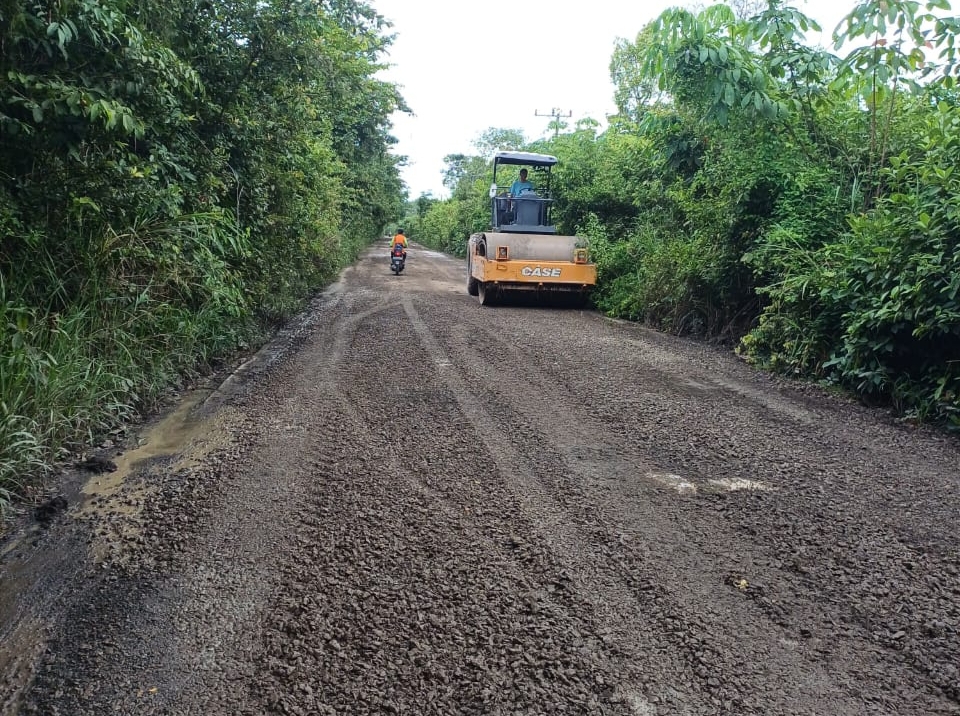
147 306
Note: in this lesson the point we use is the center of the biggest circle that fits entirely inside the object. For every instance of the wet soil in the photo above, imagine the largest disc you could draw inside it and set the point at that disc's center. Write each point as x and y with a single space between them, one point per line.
410 504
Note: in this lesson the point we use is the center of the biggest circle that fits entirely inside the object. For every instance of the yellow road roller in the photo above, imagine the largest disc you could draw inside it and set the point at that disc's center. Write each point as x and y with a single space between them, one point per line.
522 253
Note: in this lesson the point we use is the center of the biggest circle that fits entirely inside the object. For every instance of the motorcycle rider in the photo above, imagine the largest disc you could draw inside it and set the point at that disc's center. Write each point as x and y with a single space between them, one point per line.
401 240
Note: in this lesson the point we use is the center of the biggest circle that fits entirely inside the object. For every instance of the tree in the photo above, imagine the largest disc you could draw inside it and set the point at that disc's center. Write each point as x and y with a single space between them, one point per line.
492 139
173 175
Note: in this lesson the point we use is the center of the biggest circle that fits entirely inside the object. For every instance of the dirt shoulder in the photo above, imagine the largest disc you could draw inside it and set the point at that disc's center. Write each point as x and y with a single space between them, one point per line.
410 504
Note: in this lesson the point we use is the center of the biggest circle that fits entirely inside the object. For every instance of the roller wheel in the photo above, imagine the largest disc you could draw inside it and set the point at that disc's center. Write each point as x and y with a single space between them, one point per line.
473 286
487 294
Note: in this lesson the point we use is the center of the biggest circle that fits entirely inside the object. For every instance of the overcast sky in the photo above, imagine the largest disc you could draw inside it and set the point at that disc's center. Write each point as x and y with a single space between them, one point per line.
465 66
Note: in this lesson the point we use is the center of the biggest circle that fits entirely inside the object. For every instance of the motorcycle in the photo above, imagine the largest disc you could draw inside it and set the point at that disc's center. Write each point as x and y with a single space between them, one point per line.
398 259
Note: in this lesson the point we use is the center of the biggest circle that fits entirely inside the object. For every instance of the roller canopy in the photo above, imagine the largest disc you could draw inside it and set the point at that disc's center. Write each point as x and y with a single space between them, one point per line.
537 160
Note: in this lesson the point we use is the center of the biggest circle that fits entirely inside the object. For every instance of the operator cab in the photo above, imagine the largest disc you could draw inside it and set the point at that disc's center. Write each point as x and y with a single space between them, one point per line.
528 213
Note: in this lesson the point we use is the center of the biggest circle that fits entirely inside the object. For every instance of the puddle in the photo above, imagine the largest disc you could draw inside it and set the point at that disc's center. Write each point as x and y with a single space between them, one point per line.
167 437
31 573
113 502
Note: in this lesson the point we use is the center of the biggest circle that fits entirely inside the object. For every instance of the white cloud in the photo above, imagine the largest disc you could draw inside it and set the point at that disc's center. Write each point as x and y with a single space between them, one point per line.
466 66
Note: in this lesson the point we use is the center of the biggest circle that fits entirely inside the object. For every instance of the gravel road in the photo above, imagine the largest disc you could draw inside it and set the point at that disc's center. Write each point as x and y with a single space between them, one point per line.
411 504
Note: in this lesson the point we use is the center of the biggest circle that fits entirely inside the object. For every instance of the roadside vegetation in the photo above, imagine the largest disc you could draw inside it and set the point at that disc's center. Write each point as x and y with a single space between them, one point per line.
176 178
801 205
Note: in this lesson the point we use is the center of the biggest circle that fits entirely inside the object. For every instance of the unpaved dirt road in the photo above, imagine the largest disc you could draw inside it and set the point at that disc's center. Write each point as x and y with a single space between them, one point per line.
409 504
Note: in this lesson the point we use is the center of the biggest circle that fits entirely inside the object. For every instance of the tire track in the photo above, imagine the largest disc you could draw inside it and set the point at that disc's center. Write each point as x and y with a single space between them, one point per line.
662 566
572 546
386 542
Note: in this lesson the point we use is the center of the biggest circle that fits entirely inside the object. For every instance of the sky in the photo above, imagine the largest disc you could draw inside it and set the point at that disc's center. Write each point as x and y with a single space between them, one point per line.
464 66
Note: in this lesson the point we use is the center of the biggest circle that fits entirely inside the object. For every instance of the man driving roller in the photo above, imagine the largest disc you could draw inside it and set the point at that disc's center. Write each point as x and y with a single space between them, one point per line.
521 185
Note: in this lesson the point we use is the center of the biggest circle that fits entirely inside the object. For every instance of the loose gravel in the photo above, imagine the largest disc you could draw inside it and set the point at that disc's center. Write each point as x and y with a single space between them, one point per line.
409 504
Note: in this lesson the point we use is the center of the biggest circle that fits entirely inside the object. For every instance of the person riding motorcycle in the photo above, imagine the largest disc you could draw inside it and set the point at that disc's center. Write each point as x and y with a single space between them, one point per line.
401 240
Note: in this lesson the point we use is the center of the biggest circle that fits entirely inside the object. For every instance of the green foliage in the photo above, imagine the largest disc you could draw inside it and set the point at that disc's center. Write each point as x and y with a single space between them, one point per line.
446 226
654 278
635 91
830 180
173 176
889 289
442 228
590 177
701 61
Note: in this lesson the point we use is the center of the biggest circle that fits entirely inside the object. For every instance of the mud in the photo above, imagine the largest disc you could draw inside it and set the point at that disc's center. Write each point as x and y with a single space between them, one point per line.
410 504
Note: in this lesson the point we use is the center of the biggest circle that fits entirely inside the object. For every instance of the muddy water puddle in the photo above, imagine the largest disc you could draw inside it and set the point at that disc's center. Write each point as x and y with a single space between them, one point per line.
166 438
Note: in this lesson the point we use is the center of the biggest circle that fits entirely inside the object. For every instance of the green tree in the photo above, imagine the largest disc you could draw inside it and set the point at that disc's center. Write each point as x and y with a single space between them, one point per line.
174 176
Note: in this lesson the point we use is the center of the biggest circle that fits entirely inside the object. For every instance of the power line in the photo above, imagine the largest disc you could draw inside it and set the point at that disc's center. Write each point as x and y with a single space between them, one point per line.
557 116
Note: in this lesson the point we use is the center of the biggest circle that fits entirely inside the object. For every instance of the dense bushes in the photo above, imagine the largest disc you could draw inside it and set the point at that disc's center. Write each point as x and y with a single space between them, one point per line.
174 177
879 309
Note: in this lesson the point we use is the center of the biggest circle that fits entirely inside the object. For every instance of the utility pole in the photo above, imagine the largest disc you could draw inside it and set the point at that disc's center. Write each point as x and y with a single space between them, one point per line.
557 116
